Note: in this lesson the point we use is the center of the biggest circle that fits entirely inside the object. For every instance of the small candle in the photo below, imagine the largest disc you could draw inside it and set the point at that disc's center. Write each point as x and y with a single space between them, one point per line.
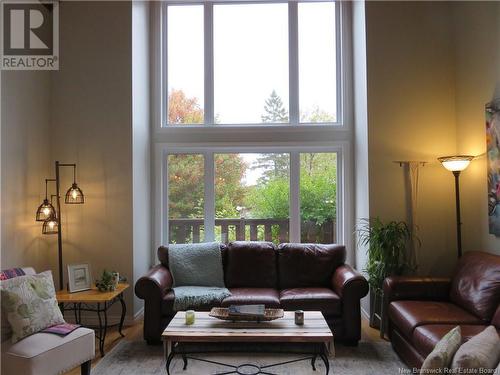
189 317
299 317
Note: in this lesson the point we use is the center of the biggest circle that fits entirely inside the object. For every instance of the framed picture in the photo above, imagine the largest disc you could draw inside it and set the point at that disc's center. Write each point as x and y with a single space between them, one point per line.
79 277
493 153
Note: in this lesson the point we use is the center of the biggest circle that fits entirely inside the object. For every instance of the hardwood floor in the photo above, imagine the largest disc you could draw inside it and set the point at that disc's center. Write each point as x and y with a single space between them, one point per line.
134 332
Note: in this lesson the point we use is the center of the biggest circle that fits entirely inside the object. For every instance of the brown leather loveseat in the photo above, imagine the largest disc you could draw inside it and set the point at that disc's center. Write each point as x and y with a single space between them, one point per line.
422 310
291 276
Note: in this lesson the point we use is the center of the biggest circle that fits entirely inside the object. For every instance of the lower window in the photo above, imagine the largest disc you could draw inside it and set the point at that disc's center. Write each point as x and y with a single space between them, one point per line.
251 197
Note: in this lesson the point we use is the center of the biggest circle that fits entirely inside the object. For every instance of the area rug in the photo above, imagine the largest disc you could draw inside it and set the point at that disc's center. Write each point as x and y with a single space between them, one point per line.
136 357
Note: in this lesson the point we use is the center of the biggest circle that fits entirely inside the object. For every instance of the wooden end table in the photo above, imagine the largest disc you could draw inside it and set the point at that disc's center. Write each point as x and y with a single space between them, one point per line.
94 301
207 334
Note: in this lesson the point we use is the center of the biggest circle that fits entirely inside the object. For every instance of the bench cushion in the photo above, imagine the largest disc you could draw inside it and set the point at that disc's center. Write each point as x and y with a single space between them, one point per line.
45 353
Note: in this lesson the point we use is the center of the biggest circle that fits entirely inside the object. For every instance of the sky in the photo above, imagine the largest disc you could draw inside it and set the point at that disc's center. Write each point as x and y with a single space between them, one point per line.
251 57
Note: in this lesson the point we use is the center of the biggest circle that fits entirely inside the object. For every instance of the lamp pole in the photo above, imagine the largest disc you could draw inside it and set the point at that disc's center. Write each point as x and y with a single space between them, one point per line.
456 164
59 231
457 204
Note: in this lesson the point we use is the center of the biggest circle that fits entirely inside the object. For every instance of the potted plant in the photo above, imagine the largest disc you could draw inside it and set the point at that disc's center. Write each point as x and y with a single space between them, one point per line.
386 249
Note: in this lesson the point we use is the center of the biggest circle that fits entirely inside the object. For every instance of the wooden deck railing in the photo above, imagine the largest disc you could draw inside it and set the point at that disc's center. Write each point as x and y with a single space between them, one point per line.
275 230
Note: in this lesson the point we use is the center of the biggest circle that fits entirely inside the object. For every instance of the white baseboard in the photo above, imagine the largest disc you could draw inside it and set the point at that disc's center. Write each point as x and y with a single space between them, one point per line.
91 318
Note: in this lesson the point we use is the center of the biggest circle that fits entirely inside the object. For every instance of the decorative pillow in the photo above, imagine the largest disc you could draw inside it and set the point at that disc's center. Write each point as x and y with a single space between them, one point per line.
480 352
30 304
440 358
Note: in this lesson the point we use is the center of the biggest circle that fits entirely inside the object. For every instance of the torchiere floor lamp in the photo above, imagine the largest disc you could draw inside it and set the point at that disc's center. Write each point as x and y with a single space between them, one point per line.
51 216
456 164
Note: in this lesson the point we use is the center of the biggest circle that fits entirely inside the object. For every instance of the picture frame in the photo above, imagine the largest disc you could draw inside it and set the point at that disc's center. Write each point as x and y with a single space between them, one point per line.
79 277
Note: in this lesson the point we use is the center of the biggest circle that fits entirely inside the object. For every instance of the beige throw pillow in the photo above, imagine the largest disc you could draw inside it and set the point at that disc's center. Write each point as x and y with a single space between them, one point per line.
440 358
29 303
480 352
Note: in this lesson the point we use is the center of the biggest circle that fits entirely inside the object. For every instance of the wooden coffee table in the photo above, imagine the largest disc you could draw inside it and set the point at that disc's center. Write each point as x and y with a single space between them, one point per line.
207 334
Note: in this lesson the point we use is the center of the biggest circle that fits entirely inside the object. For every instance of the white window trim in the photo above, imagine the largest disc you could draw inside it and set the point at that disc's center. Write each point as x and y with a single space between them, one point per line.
244 138
161 71
344 170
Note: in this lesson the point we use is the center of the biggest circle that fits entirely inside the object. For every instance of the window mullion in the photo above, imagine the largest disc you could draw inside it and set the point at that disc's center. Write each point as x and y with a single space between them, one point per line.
209 197
294 233
293 62
209 117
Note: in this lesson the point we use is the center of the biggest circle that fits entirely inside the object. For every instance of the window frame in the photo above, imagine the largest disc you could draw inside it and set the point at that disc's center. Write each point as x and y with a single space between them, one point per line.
343 195
163 126
315 137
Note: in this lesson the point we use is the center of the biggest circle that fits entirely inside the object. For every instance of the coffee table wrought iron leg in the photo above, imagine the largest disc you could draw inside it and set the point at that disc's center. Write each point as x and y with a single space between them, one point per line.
122 318
313 362
324 357
169 360
184 359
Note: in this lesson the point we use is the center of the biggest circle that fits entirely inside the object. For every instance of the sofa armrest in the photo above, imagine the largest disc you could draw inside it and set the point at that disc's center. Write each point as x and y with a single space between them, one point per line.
154 284
347 281
416 288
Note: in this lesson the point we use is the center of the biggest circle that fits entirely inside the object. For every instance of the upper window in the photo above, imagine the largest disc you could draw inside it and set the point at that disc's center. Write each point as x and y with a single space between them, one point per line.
243 63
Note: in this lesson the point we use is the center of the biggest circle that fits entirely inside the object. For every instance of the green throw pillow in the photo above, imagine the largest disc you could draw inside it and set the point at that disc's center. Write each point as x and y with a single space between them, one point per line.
30 304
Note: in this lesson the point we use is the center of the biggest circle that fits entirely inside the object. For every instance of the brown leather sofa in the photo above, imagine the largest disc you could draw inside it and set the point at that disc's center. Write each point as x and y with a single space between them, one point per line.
421 311
291 276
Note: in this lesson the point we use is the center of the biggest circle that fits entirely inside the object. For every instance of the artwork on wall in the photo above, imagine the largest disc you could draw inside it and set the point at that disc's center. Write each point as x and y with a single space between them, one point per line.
493 153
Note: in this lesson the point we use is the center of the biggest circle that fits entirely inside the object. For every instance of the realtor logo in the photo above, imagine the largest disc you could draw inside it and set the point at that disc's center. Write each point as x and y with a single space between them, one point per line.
30 35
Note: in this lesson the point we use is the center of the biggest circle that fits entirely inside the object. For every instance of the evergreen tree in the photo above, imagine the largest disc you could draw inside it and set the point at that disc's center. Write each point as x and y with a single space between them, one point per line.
274 109
275 165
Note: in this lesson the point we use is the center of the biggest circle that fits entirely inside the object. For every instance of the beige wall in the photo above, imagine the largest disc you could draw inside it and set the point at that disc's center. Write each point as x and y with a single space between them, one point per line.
477 40
92 126
25 146
411 116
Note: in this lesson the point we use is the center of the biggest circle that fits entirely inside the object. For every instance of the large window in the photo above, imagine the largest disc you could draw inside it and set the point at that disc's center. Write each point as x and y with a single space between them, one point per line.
251 113
250 196
241 63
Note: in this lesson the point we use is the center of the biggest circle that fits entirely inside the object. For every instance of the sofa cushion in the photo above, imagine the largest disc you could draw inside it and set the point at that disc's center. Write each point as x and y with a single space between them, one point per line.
427 336
251 265
252 296
407 315
308 265
45 353
30 304
311 299
476 284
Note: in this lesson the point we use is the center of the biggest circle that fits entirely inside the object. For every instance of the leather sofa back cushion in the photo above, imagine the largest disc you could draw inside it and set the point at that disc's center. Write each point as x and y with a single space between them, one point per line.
476 284
163 255
308 265
251 265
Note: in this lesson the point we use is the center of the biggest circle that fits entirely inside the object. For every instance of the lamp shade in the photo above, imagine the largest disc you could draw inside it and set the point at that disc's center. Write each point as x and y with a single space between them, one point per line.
45 211
50 226
456 163
74 195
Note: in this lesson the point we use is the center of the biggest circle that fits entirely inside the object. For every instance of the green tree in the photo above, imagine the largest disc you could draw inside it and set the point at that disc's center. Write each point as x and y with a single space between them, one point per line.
186 185
318 191
275 165
274 109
